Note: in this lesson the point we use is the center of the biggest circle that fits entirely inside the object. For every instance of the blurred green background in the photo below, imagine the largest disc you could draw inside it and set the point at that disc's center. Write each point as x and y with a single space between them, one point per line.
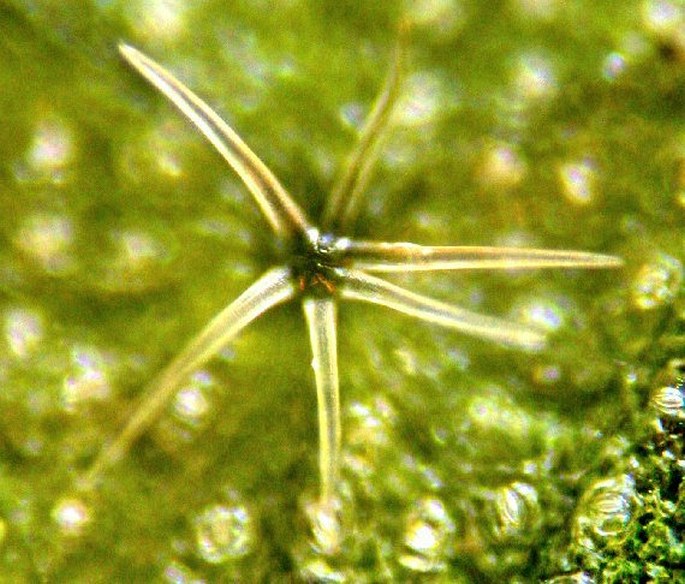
527 122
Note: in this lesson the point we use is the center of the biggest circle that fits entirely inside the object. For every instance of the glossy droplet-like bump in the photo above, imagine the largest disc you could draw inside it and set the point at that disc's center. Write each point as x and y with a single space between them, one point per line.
515 512
427 537
224 533
669 402
71 516
603 511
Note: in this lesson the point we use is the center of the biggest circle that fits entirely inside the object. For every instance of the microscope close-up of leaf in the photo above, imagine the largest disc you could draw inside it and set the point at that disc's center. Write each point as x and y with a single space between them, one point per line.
500 400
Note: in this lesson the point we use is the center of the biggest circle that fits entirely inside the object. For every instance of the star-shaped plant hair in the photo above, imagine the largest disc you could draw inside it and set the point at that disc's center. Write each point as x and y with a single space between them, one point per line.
323 269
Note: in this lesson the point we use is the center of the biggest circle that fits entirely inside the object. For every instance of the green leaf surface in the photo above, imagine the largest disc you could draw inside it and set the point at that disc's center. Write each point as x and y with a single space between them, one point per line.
540 123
